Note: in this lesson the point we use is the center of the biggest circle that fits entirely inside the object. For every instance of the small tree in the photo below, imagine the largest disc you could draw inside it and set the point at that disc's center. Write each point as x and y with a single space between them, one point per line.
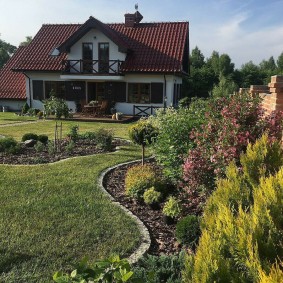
143 133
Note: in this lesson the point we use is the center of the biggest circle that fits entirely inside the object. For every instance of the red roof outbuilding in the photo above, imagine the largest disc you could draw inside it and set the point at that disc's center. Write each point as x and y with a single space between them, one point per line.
12 84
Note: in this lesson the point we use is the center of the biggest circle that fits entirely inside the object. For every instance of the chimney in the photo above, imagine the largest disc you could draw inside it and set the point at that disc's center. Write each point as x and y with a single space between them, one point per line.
130 20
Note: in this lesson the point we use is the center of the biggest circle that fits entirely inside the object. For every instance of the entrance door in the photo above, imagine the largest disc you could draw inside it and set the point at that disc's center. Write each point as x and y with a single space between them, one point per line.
87 57
103 53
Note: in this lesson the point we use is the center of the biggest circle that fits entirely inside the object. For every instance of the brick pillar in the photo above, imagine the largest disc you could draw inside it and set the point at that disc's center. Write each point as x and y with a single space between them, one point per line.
276 90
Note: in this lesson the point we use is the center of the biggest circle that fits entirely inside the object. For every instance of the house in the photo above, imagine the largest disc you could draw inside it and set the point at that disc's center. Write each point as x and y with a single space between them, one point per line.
138 66
12 85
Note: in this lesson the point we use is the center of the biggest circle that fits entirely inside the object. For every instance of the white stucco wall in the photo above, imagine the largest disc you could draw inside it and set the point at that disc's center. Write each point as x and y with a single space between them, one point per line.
95 37
126 108
12 105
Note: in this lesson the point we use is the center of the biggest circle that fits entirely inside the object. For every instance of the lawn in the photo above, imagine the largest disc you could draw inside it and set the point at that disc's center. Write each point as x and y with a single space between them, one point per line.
48 127
53 215
9 117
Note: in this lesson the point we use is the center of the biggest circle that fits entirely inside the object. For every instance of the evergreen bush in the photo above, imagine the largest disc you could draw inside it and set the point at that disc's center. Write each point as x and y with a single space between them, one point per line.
242 227
104 139
9 145
43 139
29 136
138 179
188 231
151 196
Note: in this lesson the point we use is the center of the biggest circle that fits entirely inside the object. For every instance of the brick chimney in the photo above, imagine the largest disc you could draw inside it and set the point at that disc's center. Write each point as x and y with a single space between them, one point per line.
132 19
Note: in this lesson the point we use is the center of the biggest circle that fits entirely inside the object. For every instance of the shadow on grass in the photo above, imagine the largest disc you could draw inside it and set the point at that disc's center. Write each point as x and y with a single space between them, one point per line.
9 259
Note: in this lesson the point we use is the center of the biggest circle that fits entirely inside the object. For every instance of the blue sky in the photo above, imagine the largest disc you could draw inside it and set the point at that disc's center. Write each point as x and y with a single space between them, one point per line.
244 29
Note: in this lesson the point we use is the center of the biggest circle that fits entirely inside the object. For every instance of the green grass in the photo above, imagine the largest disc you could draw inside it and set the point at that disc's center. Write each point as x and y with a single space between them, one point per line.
9 117
47 127
53 215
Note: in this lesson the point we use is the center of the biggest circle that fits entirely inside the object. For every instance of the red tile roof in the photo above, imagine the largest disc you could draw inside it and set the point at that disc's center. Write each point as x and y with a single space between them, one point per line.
157 47
37 56
154 47
12 84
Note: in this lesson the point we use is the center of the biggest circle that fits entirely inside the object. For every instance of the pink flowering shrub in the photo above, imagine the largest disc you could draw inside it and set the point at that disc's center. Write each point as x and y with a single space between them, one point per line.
231 123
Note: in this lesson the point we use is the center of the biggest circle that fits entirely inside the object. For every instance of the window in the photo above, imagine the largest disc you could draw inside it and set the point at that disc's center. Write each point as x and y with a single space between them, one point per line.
157 93
176 94
56 87
75 90
138 93
103 53
37 87
87 57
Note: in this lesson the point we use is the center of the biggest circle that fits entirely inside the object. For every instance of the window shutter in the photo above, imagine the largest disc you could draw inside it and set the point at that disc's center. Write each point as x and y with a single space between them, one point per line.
156 92
37 90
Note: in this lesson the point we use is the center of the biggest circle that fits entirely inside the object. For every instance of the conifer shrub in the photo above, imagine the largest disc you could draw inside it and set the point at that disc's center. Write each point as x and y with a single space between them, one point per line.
151 196
29 136
43 139
188 231
9 145
242 227
140 178
172 207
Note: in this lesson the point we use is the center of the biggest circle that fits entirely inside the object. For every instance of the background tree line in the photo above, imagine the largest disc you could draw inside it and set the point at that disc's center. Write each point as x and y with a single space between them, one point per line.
218 70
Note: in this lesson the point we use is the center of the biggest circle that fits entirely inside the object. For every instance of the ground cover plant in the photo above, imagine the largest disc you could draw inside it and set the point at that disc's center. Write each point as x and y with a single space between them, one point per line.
241 238
53 215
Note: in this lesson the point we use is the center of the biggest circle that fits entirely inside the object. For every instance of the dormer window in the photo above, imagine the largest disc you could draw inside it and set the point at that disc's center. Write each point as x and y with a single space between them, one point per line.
55 52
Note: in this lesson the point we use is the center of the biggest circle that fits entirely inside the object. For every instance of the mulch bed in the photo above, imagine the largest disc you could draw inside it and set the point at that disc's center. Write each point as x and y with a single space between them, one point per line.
162 235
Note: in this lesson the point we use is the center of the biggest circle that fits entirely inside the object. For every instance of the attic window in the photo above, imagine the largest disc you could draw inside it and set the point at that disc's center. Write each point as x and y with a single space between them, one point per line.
55 52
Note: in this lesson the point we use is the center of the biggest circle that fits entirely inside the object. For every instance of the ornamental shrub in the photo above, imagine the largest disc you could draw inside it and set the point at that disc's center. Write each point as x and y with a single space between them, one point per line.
29 136
232 122
25 108
242 227
172 207
55 106
151 196
163 268
9 145
110 270
143 133
43 139
73 133
138 179
172 143
188 231
104 139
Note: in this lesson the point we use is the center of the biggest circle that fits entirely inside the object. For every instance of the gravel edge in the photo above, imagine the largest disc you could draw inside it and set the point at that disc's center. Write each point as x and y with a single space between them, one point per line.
145 236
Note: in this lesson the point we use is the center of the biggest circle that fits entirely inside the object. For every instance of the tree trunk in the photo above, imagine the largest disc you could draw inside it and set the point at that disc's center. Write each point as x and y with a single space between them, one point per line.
143 155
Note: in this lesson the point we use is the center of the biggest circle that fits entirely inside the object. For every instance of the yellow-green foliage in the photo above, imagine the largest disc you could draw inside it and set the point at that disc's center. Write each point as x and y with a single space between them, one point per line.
139 178
242 228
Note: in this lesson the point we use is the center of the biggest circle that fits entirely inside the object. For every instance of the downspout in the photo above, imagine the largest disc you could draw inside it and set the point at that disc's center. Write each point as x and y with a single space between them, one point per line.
165 95
29 88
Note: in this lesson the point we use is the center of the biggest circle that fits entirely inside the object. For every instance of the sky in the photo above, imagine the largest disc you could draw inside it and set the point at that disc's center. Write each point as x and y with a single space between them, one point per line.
246 30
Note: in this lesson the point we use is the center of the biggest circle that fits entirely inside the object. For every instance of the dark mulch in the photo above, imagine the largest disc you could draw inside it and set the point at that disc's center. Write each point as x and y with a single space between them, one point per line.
29 155
162 235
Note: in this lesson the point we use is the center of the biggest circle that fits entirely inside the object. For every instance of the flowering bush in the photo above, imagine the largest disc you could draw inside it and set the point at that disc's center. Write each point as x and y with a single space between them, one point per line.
232 122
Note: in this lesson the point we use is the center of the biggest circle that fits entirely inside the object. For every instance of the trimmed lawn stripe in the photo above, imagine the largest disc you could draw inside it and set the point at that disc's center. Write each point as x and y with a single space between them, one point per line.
53 215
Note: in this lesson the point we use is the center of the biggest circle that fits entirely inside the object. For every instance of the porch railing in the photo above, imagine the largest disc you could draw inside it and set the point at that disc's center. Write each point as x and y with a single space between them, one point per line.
144 110
111 67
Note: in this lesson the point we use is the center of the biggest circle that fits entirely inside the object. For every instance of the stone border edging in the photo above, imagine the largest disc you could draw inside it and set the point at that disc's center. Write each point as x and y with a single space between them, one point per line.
145 237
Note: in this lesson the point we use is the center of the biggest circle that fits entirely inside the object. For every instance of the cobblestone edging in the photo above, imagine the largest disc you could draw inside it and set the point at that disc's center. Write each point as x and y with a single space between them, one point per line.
145 237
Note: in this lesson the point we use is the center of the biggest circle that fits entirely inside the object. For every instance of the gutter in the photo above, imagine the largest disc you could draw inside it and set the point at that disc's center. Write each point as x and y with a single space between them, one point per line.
29 88
165 91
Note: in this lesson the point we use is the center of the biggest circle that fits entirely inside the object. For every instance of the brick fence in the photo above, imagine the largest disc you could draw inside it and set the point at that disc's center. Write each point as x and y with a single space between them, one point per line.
272 94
